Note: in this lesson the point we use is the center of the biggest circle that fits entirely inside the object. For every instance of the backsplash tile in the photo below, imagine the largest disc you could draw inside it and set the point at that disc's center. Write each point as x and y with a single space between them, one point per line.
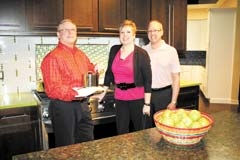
97 53
20 58
193 58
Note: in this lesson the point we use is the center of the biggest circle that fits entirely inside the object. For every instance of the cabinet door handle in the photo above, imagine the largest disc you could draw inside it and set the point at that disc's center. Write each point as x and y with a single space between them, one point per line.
14 116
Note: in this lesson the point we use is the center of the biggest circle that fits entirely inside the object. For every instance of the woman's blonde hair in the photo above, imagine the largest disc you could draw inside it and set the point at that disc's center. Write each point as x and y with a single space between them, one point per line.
128 23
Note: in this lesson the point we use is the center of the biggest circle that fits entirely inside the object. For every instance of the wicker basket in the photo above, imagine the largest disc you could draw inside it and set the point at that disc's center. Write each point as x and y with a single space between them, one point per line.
182 136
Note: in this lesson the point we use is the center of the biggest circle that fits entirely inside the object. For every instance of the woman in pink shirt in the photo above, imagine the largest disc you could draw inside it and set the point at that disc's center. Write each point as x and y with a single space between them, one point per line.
130 71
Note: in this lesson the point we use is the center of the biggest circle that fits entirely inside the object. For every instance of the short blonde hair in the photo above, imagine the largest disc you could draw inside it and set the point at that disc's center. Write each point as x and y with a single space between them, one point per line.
156 21
128 23
64 21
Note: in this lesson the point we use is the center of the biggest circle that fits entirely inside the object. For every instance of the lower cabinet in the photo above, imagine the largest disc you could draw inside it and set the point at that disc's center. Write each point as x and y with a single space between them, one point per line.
20 131
188 97
105 130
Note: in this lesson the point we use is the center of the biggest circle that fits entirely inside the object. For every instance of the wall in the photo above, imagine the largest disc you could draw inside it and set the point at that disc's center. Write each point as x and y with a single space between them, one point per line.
220 54
20 58
197 16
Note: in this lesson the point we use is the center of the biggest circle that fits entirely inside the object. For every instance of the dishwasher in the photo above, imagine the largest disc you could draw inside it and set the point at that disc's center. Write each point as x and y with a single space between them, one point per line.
20 131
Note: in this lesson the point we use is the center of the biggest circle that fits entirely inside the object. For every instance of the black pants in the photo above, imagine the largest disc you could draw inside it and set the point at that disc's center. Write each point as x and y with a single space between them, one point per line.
72 122
159 101
127 111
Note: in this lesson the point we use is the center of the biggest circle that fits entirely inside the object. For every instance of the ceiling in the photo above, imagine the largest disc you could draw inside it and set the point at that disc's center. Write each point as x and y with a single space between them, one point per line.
201 1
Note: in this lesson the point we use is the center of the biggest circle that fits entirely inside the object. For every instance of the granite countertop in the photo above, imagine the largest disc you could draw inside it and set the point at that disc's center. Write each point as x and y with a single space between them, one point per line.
222 142
14 100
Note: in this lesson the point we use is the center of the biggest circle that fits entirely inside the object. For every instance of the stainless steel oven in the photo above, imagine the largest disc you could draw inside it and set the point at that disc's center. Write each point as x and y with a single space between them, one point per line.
102 113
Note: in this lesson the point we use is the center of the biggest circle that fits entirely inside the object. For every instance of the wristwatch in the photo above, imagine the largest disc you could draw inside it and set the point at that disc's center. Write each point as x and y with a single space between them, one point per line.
147 104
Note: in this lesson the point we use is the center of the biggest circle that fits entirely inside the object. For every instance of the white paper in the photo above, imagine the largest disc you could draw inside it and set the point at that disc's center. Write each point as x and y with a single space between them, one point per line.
87 91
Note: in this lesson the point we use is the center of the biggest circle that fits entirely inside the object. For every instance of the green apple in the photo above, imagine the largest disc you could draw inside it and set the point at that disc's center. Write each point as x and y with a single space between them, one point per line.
180 125
195 124
160 118
194 115
166 113
203 121
186 120
175 117
168 121
181 113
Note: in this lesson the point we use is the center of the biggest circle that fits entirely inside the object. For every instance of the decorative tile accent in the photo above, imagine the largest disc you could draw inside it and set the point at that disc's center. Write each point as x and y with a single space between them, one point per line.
97 53
193 58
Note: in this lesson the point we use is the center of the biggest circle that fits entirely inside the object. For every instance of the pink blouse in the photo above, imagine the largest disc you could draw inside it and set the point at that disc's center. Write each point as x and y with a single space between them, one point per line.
124 73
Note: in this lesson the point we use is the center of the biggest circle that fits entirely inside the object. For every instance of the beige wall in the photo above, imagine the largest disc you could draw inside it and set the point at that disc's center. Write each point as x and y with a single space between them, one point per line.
201 12
236 70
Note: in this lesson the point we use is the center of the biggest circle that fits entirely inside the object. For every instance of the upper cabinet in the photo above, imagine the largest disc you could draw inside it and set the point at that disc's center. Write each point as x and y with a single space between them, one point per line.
12 16
173 15
162 13
178 23
111 14
95 17
139 12
83 13
44 15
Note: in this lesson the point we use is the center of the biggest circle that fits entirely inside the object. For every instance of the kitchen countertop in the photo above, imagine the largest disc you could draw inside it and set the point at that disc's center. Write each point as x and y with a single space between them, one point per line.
185 83
14 100
222 142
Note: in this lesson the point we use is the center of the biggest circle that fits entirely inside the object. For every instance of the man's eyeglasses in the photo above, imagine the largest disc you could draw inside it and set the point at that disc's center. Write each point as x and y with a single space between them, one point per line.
67 30
154 31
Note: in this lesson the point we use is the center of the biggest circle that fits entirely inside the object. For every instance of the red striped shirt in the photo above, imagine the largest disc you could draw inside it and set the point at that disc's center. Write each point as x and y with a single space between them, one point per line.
63 68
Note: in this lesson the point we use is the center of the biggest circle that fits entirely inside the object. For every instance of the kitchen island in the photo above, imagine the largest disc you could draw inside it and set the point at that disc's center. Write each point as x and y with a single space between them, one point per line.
20 124
222 142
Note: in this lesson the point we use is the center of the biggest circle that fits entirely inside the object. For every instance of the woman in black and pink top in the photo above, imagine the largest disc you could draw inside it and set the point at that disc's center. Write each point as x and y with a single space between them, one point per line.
130 71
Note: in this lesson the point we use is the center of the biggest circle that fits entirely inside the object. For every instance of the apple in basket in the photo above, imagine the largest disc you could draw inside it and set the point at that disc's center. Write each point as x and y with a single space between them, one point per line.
182 126
181 118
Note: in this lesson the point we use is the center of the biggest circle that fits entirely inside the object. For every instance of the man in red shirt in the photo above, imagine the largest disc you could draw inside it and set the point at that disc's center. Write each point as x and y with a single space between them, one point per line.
63 68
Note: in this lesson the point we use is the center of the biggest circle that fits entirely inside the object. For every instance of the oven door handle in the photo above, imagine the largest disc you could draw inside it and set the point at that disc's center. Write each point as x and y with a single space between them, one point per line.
14 116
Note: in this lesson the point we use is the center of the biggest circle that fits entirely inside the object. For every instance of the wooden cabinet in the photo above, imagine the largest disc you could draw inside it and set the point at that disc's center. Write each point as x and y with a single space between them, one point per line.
44 15
95 17
83 13
111 14
188 97
162 13
178 24
194 73
12 16
139 12
20 131
173 15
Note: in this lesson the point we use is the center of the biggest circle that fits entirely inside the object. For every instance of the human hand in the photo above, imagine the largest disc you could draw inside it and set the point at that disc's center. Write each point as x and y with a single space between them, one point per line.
99 69
171 106
146 110
99 96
